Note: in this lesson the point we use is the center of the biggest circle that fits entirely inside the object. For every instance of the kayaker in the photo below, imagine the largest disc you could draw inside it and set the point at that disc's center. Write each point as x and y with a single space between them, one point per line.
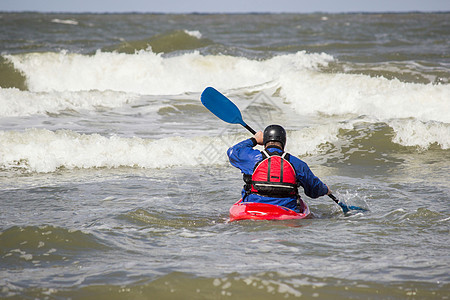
273 176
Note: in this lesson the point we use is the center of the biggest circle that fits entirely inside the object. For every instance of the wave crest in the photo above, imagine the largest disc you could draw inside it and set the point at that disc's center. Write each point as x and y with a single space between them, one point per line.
149 73
177 40
41 150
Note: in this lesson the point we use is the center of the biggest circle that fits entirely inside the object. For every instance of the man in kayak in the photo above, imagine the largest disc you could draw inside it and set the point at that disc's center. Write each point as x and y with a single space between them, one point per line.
273 176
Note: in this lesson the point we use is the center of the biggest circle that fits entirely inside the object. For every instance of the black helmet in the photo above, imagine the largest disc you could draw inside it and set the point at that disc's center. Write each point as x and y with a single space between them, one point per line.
274 133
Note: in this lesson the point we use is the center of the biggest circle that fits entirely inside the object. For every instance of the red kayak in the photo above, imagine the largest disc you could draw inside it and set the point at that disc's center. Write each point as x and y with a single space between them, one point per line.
263 211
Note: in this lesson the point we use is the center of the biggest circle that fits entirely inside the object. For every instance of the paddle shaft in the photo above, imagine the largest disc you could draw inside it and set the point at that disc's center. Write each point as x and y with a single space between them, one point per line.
334 198
249 129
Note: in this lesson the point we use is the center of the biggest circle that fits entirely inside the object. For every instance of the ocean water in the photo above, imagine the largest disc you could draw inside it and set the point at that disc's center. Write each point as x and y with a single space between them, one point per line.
114 180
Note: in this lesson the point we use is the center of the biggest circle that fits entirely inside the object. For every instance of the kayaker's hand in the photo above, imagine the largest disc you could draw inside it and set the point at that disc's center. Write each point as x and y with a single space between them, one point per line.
329 191
259 137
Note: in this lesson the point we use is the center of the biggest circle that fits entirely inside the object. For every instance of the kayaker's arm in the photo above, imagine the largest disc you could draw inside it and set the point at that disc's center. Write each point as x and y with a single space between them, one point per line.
243 156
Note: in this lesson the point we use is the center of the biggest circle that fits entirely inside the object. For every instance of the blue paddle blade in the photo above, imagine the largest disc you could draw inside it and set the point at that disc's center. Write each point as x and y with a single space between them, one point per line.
346 208
221 106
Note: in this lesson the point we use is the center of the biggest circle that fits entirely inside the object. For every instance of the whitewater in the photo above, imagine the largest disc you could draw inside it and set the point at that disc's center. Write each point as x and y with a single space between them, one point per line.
419 114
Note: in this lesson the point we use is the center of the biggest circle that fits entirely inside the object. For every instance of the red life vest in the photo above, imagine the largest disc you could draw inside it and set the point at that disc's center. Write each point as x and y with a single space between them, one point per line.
274 176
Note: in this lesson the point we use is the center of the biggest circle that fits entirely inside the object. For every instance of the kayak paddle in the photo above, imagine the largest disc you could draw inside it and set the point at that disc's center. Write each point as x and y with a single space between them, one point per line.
223 108
345 208
227 111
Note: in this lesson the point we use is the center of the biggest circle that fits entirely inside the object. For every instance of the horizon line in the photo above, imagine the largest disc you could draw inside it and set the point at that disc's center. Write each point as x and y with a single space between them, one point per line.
222 13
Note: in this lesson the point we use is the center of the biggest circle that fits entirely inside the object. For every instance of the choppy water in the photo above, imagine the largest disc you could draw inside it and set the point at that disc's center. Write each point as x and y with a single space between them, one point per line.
114 181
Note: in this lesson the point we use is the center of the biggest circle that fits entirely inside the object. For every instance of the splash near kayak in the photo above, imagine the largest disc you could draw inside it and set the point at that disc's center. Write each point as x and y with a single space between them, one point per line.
262 211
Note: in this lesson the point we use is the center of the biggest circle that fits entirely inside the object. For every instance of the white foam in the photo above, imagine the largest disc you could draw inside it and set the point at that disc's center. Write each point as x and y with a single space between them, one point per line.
195 33
64 80
308 140
418 113
41 150
422 134
14 102
148 73
334 94
66 22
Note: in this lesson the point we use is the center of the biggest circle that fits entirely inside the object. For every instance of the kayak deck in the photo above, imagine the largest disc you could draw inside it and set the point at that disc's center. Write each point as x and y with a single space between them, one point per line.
263 211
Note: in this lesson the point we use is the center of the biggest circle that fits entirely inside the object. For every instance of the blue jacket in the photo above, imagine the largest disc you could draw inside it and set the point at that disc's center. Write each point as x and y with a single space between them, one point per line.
244 157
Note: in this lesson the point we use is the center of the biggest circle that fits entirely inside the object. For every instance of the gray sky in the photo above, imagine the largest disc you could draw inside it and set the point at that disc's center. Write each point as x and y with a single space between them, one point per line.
228 6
